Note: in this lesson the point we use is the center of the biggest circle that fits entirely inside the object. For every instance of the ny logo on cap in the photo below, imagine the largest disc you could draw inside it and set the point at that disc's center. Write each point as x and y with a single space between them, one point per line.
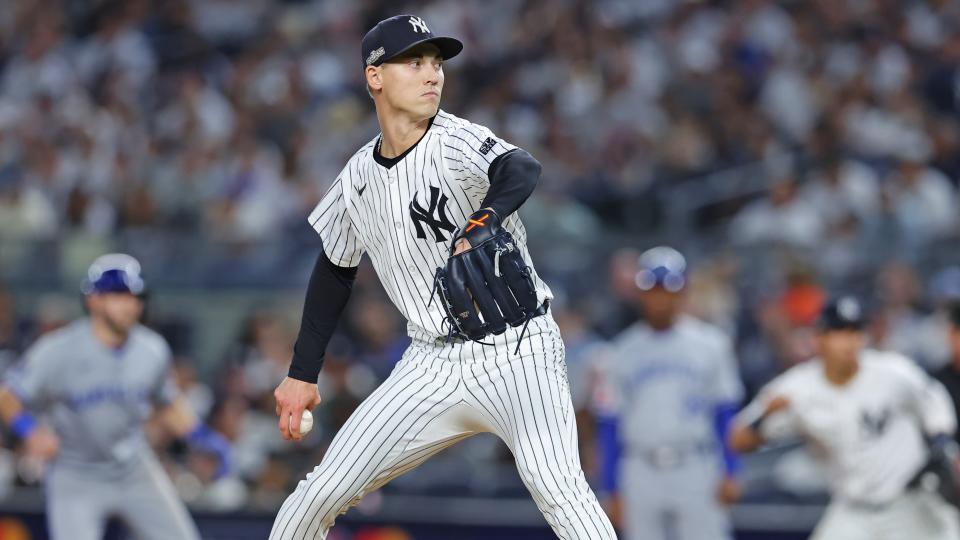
419 25
849 308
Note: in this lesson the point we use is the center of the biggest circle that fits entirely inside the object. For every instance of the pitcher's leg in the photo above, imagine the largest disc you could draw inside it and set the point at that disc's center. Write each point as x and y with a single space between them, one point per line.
401 424
529 393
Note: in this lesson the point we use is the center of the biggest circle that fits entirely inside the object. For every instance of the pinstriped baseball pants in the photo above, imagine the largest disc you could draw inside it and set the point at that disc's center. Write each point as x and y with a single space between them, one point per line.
439 394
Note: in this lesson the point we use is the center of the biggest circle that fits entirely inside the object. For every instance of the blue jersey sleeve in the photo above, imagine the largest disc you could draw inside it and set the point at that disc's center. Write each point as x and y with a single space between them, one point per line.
609 442
723 417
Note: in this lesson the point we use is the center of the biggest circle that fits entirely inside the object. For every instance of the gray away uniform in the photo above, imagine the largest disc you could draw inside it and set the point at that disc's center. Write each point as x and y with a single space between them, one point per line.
97 400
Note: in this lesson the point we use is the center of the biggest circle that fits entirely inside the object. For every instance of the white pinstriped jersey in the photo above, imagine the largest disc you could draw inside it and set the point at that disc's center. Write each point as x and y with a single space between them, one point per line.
868 432
404 216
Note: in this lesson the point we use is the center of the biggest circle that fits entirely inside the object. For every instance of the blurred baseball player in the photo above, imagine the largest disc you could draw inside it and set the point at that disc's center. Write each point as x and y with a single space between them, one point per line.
400 199
874 419
98 379
669 390
949 375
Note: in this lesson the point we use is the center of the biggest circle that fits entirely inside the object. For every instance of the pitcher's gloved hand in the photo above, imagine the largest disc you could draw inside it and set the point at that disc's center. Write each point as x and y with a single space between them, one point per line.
488 285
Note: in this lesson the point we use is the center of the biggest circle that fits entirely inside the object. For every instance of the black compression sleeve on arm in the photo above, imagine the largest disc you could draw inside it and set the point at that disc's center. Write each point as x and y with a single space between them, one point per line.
513 176
327 294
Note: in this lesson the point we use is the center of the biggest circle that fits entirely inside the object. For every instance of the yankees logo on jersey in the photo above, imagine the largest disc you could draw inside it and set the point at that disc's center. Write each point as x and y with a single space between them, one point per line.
402 211
873 424
435 216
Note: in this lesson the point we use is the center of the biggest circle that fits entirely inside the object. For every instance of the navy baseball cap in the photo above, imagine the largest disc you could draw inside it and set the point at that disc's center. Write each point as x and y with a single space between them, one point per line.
114 273
842 313
661 266
391 37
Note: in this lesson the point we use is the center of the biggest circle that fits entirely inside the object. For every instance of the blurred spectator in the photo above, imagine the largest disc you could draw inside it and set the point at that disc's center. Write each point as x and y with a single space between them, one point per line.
921 199
619 310
841 187
197 394
783 217
712 296
271 485
26 212
902 323
39 64
262 354
788 320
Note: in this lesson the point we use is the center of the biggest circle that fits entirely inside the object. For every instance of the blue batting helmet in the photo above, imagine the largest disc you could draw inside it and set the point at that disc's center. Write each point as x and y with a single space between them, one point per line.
113 273
661 266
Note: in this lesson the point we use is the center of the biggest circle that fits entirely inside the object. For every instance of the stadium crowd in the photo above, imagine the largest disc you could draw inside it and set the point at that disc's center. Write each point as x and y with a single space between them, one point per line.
225 121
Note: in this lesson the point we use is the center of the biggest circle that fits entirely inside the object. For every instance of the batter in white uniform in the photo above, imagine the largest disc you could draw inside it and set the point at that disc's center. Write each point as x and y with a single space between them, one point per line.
870 416
670 388
399 199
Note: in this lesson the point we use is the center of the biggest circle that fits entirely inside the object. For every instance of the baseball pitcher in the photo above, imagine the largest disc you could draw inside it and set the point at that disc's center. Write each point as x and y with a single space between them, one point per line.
432 201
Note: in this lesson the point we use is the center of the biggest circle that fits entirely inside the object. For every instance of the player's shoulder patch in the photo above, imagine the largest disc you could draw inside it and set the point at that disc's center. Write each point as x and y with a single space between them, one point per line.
487 145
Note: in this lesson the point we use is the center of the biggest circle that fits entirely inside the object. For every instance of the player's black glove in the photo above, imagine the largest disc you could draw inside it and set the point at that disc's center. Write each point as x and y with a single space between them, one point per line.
940 473
488 286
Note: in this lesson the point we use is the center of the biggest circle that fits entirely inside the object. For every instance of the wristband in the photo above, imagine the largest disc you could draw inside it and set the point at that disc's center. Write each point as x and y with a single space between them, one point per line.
23 424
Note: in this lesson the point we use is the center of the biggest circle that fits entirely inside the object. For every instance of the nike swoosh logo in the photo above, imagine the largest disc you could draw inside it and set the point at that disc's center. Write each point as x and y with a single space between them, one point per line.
360 190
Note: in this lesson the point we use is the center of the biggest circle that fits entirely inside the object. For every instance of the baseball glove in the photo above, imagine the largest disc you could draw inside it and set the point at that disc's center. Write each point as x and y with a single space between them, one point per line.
488 286
940 473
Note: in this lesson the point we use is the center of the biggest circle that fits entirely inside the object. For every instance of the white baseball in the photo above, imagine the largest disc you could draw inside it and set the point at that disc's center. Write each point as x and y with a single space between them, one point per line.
306 422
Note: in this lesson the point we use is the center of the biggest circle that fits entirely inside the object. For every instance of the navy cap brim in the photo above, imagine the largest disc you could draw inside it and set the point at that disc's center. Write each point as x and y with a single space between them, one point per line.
448 46
842 327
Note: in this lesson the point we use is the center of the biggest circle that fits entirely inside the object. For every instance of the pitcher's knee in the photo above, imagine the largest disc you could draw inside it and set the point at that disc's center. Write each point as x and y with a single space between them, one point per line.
310 511
547 486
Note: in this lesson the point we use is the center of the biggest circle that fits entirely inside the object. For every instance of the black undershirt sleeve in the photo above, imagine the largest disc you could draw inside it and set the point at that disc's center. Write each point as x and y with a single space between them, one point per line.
513 176
327 294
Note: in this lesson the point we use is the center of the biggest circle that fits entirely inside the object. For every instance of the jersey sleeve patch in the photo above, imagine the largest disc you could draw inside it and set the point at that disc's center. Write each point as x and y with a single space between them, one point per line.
487 145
